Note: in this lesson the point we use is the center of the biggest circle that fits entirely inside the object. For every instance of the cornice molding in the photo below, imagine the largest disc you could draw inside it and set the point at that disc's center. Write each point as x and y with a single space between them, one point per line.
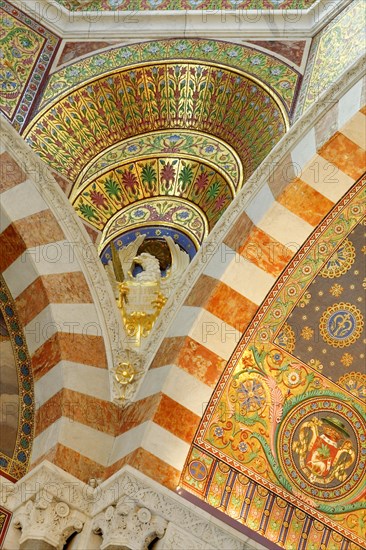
159 24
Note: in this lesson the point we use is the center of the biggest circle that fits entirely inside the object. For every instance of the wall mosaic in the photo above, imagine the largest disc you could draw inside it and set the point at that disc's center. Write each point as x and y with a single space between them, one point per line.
334 49
275 74
170 212
71 133
27 50
151 232
282 437
111 5
134 182
17 400
5 517
326 329
185 142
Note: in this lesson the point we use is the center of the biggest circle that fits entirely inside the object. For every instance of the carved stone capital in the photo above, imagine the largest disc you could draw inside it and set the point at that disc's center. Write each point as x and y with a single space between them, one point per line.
129 526
47 523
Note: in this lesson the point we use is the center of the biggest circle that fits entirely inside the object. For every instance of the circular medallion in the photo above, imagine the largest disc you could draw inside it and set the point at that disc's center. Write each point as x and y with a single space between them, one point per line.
340 262
322 445
198 470
341 325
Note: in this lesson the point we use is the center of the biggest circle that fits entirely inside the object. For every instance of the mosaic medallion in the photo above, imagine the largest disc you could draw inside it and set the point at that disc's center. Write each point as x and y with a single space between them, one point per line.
340 262
198 470
341 325
323 448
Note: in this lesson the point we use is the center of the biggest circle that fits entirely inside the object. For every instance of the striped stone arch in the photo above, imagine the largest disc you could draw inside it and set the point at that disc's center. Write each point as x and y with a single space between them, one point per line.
77 426
63 304
298 184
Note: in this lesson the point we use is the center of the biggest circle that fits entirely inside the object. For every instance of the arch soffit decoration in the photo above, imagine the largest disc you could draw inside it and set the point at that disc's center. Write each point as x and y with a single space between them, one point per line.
236 108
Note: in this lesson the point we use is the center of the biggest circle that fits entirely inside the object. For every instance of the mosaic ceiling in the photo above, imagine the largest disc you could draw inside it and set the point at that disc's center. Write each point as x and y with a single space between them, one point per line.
167 143
109 5
282 445
26 52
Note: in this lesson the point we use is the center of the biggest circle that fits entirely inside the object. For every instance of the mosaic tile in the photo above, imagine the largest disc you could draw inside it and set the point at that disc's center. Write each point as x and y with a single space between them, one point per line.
333 50
28 50
113 5
221 99
276 74
276 426
5 518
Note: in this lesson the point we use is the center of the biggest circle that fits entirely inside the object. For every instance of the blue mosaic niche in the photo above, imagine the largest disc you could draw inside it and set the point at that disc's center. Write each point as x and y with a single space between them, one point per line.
153 232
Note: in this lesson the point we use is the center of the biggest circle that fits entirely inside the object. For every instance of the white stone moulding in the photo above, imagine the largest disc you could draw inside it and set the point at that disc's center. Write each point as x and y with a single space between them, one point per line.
222 24
129 510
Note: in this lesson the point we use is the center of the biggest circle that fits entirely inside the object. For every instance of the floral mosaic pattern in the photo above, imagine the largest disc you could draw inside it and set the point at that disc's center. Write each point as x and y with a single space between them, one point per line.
275 74
129 183
26 52
17 400
275 421
112 5
170 212
127 103
333 50
184 142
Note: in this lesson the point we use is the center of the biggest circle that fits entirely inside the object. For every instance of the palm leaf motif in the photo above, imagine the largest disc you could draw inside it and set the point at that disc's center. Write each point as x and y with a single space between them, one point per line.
213 190
185 177
149 176
88 212
112 188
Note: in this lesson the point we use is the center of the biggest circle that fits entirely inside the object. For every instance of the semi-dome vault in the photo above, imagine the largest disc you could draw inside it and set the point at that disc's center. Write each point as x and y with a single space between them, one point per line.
162 146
